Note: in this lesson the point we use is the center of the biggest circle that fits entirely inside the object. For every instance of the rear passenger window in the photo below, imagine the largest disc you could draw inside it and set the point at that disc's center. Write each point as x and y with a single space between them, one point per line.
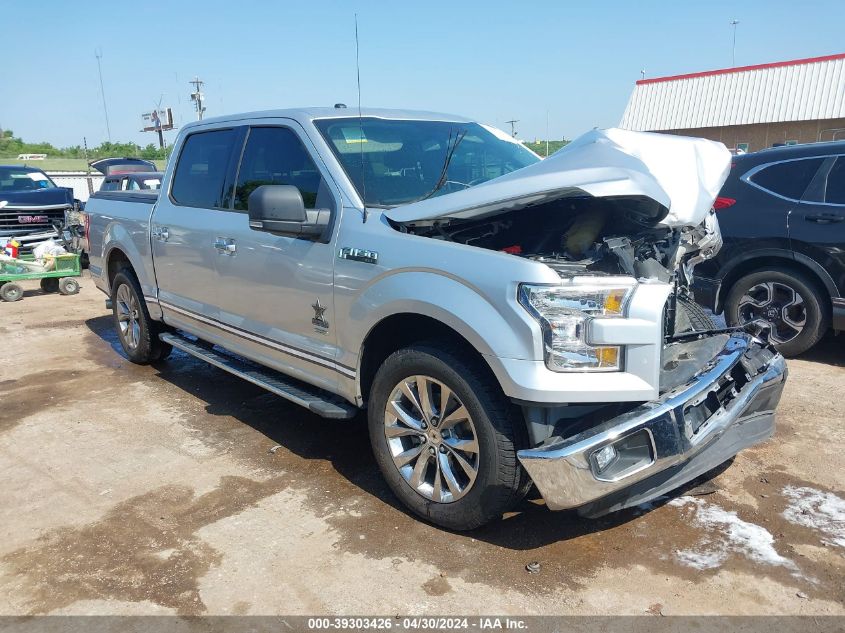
835 190
789 178
276 156
201 170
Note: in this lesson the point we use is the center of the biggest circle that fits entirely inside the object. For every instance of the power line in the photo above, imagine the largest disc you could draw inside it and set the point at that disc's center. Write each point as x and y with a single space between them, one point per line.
98 54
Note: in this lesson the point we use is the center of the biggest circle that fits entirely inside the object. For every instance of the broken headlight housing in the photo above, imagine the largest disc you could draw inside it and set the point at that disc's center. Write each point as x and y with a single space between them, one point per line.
564 313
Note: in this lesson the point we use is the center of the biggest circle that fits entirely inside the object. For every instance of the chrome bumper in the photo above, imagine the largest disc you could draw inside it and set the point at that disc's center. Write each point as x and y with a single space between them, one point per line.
726 407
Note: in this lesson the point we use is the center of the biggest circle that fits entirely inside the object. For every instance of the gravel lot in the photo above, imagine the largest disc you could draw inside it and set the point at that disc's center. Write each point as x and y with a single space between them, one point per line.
181 489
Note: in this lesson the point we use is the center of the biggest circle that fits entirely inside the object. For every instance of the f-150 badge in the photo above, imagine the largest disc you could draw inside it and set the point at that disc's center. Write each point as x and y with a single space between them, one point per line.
320 323
358 255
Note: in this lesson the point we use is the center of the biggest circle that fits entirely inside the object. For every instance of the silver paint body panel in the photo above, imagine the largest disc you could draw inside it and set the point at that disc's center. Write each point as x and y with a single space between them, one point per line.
257 301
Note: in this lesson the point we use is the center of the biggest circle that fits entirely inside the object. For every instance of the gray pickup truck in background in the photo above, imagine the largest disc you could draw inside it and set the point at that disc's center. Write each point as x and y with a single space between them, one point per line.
504 320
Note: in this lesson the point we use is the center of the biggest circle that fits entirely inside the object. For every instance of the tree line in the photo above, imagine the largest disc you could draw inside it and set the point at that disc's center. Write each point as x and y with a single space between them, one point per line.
11 146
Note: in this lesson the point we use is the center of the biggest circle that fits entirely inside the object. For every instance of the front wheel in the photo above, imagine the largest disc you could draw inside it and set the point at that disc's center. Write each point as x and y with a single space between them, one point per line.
445 438
11 292
137 332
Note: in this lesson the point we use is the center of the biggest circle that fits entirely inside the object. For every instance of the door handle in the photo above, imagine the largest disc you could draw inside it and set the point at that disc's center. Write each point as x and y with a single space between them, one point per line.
225 245
824 218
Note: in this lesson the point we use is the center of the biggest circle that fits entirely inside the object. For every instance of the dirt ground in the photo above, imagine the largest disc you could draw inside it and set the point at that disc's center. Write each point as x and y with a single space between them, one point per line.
181 489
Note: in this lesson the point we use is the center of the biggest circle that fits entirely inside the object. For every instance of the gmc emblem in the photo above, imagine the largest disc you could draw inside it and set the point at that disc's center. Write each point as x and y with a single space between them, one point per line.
33 219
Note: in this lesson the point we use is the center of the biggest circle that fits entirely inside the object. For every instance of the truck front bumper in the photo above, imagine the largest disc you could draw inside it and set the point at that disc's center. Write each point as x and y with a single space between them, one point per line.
660 445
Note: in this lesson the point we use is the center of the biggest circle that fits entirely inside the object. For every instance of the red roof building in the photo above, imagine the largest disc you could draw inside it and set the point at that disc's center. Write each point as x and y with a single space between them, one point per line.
748 107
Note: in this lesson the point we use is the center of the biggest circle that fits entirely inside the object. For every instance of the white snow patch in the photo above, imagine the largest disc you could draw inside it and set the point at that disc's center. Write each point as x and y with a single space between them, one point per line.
702 560
817 510
733 536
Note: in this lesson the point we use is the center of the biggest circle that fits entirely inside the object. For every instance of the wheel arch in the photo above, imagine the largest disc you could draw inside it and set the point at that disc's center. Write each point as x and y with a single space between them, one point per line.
760 260
116 260
403 329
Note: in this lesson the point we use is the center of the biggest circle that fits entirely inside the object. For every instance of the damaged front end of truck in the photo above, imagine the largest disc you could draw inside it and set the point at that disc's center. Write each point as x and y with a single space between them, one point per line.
620 210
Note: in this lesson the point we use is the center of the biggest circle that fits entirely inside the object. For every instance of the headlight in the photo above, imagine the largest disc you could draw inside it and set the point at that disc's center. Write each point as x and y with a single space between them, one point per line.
564 313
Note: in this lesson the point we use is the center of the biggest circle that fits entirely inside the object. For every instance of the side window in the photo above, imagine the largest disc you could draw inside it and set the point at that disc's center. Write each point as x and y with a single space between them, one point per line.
789 178
132 184
201 171
835 190
276 156
110 184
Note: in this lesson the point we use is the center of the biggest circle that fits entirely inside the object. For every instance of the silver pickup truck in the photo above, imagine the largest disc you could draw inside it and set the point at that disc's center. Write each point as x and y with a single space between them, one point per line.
505 321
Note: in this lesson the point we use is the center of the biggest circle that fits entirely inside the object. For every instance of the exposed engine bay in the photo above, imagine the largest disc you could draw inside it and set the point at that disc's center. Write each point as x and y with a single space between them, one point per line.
590 236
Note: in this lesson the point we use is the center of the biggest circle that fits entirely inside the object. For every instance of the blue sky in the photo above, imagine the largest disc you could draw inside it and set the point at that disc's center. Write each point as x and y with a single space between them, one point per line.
494 61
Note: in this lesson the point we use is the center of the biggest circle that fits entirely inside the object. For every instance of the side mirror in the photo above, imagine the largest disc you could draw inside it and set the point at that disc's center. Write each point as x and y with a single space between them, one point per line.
280 209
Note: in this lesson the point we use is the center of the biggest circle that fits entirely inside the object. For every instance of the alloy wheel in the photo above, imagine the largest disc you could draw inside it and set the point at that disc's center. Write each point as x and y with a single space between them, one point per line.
128 315
432 439
778 304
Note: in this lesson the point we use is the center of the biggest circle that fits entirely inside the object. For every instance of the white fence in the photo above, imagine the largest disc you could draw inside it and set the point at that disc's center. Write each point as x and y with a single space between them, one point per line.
81 182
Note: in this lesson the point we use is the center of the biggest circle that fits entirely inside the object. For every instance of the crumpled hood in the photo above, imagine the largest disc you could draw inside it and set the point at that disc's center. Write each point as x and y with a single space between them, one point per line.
683 175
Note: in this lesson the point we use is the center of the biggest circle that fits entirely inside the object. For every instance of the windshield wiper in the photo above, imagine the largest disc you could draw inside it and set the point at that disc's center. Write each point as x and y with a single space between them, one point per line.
450 152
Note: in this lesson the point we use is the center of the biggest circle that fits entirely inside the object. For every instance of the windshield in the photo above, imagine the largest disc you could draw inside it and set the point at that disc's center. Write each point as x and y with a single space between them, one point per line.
23 179
393 162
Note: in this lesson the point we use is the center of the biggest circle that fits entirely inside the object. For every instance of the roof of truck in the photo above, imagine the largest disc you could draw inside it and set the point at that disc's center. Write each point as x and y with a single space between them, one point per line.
310 114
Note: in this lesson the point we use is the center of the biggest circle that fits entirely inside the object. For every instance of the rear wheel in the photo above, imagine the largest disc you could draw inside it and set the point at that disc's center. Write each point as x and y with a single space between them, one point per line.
788 301
137 332
50 284
68 286
445 438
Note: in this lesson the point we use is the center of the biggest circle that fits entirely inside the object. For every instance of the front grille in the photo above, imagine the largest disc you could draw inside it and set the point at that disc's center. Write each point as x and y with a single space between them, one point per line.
726 389
19 222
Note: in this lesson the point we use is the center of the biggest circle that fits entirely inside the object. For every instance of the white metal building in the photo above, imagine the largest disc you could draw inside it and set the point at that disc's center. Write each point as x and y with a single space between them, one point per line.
748 107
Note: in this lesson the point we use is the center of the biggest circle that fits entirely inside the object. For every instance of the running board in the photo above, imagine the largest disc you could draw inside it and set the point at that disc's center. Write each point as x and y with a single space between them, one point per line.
320 402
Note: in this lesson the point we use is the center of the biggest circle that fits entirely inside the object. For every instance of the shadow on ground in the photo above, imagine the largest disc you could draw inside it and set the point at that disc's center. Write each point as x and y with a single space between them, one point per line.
830 350
345 446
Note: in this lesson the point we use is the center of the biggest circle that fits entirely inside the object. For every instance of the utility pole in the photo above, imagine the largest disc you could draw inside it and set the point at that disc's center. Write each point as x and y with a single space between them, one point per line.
157 122
733 49
547 133
513 123
197 96
98 54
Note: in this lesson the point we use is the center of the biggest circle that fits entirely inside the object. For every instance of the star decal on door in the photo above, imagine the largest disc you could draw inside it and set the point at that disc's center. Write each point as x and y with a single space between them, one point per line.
320 323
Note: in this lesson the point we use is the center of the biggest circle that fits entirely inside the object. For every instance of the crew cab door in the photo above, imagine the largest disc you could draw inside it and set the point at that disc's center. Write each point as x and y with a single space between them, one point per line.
275 291
183 225
817 225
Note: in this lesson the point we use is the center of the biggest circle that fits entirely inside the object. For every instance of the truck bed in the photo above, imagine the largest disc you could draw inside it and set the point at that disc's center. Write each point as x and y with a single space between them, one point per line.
121 217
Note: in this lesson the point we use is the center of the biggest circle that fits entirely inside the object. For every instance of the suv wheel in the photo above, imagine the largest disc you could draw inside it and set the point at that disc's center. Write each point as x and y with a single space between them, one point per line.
137 332
788 301
445 438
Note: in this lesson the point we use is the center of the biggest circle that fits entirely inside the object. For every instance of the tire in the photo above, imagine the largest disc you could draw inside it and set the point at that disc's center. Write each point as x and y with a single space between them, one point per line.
691 317
136 331
68 286
789 301
11 292
50 284
492 423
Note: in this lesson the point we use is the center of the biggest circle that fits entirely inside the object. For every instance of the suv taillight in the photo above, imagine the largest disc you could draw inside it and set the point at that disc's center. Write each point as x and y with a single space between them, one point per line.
723 203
